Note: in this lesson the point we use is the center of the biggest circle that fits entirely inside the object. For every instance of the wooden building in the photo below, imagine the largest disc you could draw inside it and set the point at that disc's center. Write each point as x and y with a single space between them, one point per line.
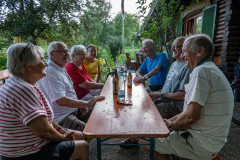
220 19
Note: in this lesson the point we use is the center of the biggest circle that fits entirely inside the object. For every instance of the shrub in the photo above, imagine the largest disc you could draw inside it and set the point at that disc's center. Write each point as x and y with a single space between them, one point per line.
3 60
107 65
115 46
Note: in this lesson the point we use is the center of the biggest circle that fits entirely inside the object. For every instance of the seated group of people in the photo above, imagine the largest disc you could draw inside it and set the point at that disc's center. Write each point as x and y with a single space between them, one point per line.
194 98
44 106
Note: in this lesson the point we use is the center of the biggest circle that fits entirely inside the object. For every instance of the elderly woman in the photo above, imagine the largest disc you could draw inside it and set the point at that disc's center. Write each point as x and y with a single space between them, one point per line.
27 129
92 64
84 86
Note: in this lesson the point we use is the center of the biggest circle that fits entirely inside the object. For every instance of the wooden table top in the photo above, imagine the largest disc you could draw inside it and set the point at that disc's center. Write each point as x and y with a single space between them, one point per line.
111 120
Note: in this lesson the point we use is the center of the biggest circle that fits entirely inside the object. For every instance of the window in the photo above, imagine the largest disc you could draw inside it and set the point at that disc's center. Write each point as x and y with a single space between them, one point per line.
193 25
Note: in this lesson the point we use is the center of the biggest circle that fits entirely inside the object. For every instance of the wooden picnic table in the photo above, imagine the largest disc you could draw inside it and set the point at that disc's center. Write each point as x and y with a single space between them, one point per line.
112 120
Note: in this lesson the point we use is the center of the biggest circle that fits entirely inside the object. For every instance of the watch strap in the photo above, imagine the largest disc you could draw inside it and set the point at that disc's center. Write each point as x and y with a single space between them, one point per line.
162 95
170 127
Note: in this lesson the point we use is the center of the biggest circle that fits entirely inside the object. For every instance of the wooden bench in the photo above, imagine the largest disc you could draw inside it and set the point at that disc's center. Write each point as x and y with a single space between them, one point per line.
140 58
131 64
4 74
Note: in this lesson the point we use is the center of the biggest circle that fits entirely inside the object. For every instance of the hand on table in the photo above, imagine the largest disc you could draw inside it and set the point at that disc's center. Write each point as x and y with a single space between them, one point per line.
167 122
139 79
93 100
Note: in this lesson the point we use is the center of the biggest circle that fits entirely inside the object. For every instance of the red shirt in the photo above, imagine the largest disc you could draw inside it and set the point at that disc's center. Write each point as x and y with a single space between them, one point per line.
78 76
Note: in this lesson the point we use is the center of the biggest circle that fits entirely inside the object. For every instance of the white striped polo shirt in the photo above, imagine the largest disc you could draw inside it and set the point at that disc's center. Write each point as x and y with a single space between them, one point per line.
209 87
21 102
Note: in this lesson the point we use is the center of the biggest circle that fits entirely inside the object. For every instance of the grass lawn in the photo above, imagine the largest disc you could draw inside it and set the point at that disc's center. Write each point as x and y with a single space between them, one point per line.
130 50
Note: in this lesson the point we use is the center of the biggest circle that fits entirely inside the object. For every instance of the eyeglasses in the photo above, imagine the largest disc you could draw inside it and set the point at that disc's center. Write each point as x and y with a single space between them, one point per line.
25 48
176 47
65 52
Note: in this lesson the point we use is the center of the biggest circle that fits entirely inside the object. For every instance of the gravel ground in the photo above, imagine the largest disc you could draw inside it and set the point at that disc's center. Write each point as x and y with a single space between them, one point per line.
231 150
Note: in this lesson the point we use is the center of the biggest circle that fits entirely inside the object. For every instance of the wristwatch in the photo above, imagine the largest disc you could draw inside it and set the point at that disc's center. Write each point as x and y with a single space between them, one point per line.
162 95
146 77
170 127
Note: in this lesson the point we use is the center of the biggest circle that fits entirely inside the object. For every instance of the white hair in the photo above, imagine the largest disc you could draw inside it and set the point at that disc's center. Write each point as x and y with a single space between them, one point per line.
149 41
76 49
201 40
53 46
20 54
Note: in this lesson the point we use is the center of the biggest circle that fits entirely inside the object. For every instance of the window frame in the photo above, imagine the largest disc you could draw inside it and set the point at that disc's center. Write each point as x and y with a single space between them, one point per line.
187 26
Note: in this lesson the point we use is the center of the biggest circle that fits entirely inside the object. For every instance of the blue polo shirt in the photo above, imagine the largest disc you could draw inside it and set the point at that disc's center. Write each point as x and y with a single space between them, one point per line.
148 65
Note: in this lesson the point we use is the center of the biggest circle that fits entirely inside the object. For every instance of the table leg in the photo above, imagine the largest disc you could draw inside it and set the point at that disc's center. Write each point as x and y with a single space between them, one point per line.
99 148
152 143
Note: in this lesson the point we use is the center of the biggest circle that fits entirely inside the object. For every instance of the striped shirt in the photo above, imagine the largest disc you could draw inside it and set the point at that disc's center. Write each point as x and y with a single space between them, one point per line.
210 88
20 103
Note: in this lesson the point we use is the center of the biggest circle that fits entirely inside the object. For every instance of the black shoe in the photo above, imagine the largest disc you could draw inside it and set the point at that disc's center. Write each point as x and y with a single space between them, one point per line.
127 144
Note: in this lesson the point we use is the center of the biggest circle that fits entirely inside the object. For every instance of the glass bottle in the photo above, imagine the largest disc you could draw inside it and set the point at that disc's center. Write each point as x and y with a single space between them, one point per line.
124 69
115 82
129 80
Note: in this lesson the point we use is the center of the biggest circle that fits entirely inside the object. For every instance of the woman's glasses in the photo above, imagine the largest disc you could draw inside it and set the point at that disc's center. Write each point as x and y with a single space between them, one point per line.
25 48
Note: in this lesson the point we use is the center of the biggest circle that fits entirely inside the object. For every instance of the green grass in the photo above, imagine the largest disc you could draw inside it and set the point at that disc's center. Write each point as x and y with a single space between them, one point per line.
130 50
45 48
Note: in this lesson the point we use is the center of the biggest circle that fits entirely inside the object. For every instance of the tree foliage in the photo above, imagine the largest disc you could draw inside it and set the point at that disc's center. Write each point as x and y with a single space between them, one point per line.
165 15
131 25
70 21
36 18
94 22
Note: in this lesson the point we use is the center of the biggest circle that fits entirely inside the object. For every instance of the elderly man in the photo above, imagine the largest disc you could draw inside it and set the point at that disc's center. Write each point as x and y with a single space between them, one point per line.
201 130
154 67
169 101
58 88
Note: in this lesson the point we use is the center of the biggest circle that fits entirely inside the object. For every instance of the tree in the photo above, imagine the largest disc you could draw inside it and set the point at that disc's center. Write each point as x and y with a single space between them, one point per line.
130 26
95 21
36 18
165 15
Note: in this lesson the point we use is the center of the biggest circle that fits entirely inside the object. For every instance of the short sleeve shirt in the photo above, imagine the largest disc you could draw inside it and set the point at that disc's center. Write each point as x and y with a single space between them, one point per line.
55 85
209 87
148 65
177 77
20 103
92 68
78 76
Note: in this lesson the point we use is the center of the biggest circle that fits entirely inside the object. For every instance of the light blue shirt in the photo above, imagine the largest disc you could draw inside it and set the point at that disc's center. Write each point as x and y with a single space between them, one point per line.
148 65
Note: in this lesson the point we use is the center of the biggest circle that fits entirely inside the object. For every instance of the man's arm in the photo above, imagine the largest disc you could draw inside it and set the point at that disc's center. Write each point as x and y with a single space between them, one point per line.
154 71
91 85
173 96
139 73
140 78
73 103
185 119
